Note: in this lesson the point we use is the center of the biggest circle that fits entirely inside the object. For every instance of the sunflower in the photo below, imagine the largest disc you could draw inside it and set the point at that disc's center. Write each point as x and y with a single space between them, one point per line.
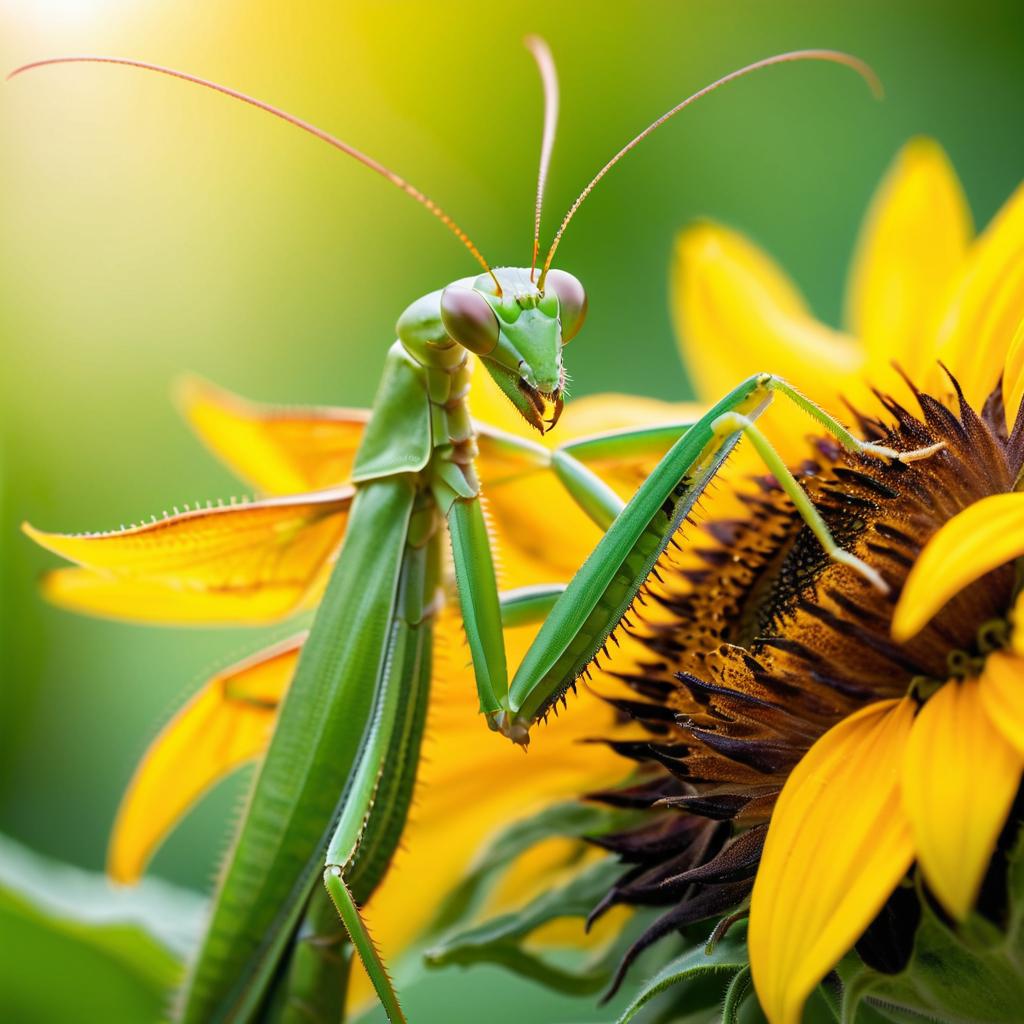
266 561
811 746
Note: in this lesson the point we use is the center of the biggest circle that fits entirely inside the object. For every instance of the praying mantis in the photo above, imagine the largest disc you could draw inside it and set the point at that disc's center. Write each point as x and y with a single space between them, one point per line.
333 791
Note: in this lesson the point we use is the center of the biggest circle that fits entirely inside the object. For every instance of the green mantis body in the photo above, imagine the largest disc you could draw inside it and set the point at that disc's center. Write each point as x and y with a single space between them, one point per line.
333 792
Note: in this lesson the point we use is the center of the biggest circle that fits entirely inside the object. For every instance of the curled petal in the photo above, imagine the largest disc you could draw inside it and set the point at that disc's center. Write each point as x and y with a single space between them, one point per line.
959 778
226 724
262 558
912 243
1013 377
837 846
276 449
1002 693
986 304
977 540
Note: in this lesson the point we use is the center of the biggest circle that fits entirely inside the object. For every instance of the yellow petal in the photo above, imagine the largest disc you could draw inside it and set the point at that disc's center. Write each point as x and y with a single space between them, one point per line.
131 600
226 724
736 315
913 241
1002 693
263 558
541 535
598 414
986 305
959 778
972 543
837 846
472 784
1013 377
278 450
1017 626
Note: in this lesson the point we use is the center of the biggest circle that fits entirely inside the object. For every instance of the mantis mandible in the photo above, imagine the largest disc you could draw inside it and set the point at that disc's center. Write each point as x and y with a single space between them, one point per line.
333 791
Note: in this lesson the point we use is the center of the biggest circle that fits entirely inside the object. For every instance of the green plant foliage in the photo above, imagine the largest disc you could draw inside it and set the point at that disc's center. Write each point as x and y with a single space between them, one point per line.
501 939
971 973
741 986
565 820
78 949
728 958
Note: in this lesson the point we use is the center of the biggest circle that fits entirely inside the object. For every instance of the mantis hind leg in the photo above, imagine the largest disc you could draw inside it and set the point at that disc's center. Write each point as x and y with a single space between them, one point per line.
363 943
376 801
731 422
849 441
314 989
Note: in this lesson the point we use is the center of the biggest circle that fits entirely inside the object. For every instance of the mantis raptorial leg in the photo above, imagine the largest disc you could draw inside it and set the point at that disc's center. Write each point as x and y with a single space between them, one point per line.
602 592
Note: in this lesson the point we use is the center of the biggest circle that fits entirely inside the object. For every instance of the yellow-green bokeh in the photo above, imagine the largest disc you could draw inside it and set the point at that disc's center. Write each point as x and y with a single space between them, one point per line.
150 228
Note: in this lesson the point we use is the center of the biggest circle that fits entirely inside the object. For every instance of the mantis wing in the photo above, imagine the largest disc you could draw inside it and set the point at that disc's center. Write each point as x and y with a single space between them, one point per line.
277 855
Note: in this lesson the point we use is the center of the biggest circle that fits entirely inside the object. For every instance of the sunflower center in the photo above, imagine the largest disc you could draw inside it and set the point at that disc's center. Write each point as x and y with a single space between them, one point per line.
765 644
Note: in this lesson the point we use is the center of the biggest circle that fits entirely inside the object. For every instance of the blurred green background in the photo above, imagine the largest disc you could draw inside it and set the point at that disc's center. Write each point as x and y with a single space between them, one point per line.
150 228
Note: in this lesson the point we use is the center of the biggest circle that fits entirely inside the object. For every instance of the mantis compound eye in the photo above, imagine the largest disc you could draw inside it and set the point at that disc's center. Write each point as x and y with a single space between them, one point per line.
468 318
572 302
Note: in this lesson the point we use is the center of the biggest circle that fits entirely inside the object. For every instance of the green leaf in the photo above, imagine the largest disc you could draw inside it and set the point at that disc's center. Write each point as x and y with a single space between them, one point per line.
739 989
500 939
969 974
728 957
76 948
505 939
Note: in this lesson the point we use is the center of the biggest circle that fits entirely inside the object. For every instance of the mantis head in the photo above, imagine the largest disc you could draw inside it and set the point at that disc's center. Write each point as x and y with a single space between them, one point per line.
517 320
519 330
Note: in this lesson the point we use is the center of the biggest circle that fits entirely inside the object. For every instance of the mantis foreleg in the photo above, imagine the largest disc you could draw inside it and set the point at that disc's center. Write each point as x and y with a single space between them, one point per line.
587 489
628 442
602 592
524 606
478 597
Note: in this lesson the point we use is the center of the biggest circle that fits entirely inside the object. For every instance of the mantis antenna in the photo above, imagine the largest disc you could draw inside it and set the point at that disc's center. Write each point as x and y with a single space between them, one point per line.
832 56
549 79
367 161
